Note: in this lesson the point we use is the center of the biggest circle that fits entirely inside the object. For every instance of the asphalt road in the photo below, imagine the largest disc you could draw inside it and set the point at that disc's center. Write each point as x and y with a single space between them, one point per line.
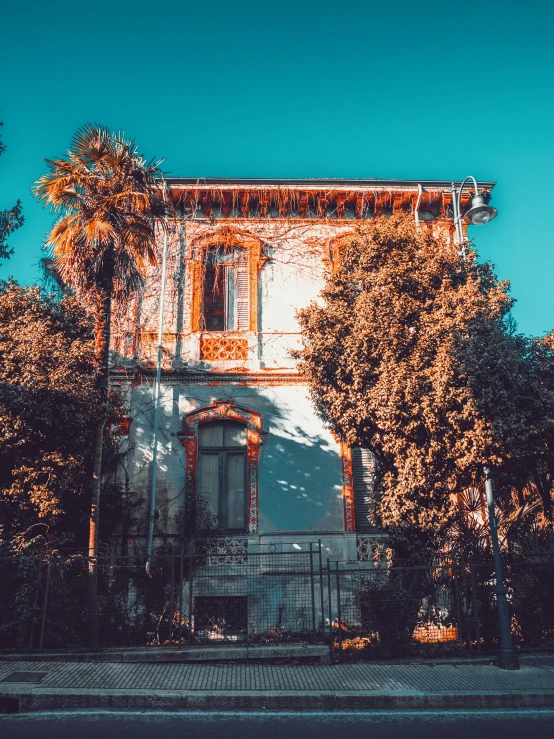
398 725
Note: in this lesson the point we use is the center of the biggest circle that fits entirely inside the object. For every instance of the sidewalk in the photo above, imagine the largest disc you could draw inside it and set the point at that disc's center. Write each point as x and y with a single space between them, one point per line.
46 685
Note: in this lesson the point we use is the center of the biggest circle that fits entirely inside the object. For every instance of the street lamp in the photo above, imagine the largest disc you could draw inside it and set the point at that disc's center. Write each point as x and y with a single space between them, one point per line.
477 214
508 658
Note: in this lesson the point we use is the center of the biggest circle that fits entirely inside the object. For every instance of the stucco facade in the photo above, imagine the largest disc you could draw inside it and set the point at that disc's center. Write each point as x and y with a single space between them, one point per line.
298 478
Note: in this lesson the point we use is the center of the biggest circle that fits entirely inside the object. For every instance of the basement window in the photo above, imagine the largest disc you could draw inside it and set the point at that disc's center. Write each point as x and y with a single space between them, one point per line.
224 614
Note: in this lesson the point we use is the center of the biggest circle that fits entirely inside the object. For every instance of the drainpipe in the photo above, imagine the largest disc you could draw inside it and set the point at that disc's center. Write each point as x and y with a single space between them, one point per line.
157 402
416 209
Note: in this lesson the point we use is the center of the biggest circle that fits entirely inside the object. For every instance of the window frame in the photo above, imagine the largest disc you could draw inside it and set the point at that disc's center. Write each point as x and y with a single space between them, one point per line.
349 494
255 259
230 270
223 452
255 438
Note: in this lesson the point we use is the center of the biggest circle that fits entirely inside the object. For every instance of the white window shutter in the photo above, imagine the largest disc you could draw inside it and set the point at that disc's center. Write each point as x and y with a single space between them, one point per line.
243 312
363 472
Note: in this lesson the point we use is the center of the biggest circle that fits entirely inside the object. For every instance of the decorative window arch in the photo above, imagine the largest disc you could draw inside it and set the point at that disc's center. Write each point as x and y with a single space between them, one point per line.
225 410
334 245
226 238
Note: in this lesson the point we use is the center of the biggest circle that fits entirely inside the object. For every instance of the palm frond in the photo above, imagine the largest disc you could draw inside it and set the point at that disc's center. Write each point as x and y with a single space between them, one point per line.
110 199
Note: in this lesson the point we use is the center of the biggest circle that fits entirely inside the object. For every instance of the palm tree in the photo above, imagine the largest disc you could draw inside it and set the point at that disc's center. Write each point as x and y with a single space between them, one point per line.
109 200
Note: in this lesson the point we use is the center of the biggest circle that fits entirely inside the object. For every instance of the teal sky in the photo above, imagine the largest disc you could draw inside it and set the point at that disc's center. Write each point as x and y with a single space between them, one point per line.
399 89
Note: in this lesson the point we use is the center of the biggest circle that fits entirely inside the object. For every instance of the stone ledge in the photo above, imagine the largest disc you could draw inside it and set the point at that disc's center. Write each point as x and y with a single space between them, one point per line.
293 652
45 699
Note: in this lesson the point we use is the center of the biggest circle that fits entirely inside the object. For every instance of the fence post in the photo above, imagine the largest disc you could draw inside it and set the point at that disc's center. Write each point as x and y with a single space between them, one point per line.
329 597
339 616
457 596
181 596
35 606
45 604
312 590
475 603
172 595
191 575
467 620
321 594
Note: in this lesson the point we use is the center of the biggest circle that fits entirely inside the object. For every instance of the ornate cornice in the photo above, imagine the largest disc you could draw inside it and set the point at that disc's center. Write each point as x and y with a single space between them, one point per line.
188 377
221 199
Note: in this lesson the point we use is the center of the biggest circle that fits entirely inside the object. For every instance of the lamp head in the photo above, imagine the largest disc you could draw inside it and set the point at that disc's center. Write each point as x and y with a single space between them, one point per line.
480 212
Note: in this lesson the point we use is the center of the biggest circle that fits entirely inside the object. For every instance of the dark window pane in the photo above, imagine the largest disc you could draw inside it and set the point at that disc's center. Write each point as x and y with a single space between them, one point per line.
211 435
222 477
208 510
234 434
225 296
236 493
214 297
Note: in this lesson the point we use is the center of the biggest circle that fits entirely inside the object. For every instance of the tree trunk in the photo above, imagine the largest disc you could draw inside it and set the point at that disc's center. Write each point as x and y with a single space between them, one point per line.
102 320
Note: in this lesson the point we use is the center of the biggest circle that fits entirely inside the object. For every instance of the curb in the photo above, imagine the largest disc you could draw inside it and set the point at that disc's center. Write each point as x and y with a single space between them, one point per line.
302 653
277 700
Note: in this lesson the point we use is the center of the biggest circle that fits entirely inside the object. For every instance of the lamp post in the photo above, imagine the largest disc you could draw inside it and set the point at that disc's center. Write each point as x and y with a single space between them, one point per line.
478 214
508 658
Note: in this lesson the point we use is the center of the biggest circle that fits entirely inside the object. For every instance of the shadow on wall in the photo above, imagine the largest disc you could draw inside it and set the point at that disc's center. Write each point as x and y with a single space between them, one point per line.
300 478
300 471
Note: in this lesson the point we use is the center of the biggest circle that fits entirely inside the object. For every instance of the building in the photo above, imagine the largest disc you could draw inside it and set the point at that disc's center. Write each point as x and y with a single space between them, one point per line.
243 460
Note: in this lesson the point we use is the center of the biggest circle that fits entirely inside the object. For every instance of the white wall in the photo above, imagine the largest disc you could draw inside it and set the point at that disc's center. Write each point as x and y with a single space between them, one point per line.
299 467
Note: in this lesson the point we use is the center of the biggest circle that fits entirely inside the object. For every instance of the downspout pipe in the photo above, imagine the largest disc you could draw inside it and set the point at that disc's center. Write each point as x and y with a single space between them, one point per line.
157 394
416 209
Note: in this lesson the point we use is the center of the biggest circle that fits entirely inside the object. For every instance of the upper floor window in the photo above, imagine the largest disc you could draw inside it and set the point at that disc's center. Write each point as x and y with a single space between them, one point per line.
225 291
222 477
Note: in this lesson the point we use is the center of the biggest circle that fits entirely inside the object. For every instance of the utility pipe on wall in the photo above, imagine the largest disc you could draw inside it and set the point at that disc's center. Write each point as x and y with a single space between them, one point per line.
152 515
416 209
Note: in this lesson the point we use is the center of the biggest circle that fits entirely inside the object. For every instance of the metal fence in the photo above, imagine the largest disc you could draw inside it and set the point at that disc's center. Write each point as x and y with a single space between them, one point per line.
224 594
215 595
445 608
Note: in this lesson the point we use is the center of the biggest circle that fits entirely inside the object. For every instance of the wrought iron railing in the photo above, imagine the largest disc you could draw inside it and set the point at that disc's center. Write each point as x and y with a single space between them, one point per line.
223 593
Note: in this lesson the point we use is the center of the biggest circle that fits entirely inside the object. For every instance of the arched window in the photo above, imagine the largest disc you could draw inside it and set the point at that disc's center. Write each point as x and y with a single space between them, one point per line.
224 264
222 443
225 304
222 484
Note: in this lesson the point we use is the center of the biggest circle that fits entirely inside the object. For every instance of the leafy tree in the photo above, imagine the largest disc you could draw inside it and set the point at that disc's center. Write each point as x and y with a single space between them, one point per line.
511 378
10 219
399 357
48 410
108 199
